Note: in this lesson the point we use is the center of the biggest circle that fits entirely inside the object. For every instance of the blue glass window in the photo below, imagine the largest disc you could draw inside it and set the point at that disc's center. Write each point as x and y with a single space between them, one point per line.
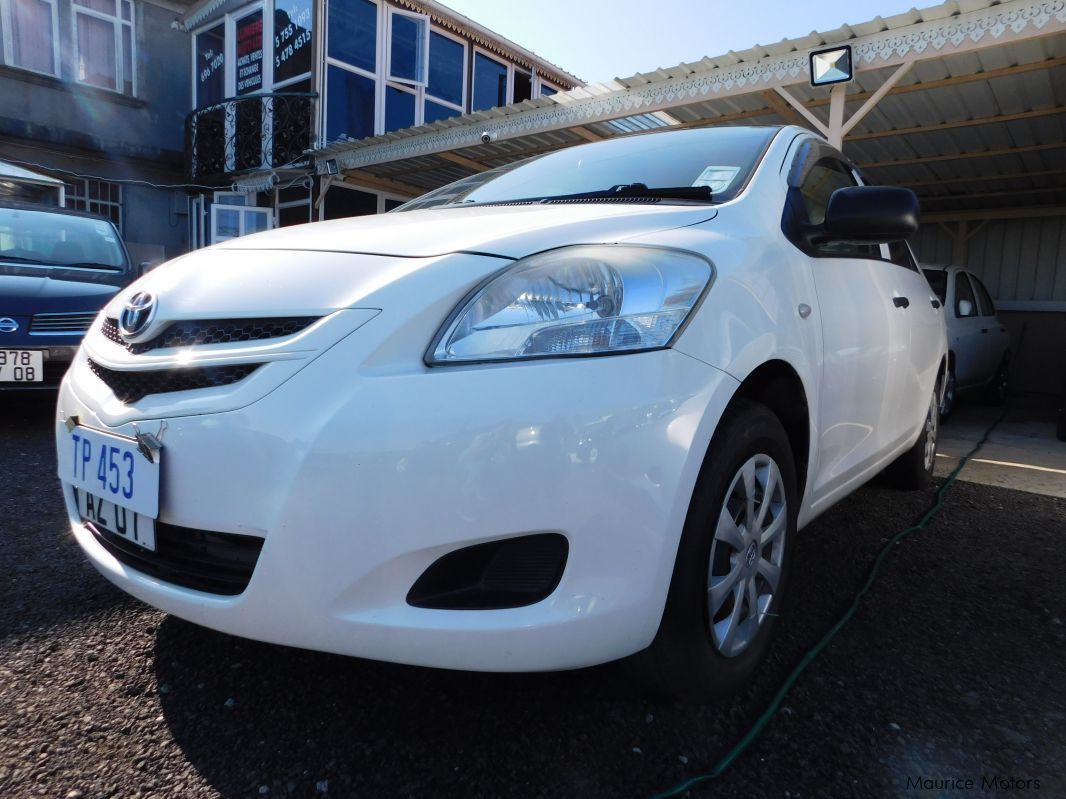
446 57
407 48
350 105
490 83
436 112
399 109
353 33
547 91
292 39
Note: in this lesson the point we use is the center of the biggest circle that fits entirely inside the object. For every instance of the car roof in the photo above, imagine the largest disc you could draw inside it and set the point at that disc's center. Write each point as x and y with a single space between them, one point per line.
53 209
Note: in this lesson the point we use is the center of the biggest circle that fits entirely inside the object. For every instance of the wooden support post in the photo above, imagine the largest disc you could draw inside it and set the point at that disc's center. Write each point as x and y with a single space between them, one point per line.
837 99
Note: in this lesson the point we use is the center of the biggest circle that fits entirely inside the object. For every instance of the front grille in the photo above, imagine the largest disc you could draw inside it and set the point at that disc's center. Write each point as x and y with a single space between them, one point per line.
218 563
132 386
195 332
45 323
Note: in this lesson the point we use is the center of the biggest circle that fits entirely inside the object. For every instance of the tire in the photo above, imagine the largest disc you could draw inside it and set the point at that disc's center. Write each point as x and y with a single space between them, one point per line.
691 660
913 470
947 403
996 393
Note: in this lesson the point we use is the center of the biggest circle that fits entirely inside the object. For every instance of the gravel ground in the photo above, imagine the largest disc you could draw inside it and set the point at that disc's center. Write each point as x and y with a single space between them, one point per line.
953 669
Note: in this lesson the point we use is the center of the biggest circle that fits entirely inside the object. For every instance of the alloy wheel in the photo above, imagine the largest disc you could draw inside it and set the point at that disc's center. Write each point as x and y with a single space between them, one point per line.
932 429
747 554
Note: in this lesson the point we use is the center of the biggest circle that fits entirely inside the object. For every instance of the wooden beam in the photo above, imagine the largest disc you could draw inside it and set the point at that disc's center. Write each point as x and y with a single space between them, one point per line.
778 105
955 80
982 194
995 213
462 160
958 156
988 178
585 133
962 123
819 126
875 98
360 179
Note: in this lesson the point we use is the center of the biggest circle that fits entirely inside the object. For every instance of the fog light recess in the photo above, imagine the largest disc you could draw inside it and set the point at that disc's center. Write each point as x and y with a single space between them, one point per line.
510 573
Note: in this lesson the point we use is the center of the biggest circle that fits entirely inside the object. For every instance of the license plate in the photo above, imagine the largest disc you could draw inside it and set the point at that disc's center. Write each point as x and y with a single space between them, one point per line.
119 520
111 467
21 366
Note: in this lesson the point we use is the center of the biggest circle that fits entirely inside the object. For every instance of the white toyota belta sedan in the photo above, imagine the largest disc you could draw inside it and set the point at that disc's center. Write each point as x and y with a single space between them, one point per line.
559 413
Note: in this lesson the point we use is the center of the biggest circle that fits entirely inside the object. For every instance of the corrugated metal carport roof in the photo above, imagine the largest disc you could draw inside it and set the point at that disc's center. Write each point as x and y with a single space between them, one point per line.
978 123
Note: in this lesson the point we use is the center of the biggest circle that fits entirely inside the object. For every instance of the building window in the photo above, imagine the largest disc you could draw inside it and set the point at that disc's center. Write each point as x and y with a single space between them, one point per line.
292 40
31 33
490 83
103 41
210 66
523 86
353 33
408 45
547 90
446 90
399 108
96 197
349 104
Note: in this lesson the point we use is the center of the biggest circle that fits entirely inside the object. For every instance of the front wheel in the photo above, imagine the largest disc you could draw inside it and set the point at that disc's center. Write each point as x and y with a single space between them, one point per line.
732 562
913 470
948 400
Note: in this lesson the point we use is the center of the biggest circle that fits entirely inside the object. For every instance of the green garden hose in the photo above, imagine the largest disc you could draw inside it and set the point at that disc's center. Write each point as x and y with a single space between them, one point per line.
749 738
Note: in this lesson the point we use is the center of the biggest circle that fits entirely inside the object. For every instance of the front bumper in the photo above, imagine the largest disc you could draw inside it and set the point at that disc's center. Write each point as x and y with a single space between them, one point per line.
357 478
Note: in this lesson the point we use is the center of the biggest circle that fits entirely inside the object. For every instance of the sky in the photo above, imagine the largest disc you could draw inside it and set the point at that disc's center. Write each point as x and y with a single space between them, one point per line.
598 40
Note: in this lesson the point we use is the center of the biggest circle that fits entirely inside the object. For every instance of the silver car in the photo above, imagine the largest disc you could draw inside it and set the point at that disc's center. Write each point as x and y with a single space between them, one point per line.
978 343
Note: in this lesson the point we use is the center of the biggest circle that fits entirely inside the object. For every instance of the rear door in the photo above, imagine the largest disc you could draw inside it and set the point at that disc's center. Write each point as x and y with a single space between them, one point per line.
967 338
923 318
995 339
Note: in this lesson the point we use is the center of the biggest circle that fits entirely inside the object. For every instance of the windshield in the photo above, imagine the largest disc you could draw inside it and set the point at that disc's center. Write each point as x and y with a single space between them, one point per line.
662 167
55 239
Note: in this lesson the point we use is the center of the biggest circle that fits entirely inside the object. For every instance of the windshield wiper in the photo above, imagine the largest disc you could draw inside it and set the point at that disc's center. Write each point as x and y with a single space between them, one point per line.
18 259
638 191
93 265
623 191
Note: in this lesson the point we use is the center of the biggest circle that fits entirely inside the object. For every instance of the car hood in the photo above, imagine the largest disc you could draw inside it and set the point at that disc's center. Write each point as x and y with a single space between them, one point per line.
506 231
26 290
318 268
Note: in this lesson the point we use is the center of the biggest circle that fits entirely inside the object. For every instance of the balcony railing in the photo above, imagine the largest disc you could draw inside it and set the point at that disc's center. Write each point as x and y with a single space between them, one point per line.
244 134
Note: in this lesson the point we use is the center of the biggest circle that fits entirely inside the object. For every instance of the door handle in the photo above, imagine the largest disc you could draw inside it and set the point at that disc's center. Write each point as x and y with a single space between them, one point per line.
901 302
935 303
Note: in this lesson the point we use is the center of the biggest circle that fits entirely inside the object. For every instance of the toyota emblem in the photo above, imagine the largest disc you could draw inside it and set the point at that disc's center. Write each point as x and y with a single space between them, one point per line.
136 315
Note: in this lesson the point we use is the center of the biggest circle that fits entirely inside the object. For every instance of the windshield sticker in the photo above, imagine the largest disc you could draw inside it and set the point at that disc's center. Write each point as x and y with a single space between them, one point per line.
717 178
102 228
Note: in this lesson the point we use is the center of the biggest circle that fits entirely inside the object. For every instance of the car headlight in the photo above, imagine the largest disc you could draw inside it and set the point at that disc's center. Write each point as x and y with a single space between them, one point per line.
581 300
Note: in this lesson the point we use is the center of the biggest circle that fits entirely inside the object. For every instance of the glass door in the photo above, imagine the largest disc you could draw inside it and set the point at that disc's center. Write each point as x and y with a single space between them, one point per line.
231 221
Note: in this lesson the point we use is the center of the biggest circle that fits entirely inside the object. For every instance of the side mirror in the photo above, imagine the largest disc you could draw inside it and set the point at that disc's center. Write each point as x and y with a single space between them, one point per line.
143 267
965 308
870 214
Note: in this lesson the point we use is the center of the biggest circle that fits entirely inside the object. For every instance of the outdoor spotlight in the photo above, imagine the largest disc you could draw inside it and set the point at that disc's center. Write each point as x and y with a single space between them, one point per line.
831 66
331 167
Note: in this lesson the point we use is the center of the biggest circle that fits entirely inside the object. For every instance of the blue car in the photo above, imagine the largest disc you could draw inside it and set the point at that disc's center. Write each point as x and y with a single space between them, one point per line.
58 268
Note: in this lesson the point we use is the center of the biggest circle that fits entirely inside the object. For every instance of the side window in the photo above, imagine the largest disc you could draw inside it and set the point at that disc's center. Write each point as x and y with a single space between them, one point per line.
988 308
965 303
899 253
818 186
